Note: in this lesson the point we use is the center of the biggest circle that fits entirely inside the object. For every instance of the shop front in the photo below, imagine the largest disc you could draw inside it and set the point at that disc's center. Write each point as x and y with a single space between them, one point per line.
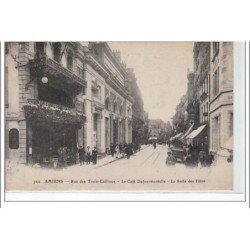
52 133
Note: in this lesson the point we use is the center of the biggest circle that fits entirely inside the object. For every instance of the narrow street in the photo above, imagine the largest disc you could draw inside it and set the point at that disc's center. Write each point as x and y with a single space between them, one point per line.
145 170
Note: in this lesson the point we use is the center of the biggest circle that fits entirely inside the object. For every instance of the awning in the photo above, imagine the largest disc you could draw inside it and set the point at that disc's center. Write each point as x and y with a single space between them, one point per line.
196 132
228 144
188 131
178 136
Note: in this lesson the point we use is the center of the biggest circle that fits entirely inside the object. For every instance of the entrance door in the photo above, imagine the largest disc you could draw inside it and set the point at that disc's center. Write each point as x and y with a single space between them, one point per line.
115 126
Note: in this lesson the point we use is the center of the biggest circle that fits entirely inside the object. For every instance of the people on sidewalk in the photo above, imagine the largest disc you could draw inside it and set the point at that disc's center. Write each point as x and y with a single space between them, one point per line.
88 155
81 152
117 150
94 156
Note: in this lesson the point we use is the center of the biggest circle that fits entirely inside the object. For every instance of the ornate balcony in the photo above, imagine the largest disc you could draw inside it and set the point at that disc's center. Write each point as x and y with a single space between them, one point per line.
45 111
47 66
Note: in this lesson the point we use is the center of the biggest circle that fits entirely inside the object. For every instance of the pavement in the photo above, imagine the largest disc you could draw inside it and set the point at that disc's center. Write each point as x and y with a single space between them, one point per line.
145 170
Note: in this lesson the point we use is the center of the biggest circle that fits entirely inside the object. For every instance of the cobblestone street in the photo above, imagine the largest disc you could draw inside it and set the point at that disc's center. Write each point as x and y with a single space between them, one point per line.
145 170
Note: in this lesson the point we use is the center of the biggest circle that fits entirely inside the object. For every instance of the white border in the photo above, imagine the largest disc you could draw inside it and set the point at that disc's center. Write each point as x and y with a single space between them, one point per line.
238 194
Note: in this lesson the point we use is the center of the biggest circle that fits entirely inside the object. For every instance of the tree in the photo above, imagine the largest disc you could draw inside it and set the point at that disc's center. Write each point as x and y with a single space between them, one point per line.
178 119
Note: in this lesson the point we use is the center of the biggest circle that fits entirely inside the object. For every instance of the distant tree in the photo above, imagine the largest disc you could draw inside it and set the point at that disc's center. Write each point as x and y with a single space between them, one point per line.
178 120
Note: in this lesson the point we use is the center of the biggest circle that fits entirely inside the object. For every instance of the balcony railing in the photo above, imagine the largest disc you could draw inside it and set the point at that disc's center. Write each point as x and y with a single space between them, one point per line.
47 65
41 110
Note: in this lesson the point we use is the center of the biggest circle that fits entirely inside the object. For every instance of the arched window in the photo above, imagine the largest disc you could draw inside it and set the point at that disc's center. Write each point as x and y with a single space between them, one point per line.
107 103
128 111
115 107
13 138
57 47
70 60
121 110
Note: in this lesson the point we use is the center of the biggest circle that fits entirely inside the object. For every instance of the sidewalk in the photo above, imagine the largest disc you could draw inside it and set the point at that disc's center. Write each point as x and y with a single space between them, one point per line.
109 159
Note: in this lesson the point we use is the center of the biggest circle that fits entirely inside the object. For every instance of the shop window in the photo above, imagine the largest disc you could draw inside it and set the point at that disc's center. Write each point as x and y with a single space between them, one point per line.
13 138
70 60
57 47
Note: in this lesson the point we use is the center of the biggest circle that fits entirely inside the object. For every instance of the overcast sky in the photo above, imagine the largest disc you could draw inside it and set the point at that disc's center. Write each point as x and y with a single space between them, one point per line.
161 72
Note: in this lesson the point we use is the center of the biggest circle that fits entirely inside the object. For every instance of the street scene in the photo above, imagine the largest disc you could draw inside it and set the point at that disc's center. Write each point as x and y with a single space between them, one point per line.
119 116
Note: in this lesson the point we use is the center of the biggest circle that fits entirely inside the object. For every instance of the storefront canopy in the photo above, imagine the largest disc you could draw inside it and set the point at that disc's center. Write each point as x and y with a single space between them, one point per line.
188 131
178 136
196 132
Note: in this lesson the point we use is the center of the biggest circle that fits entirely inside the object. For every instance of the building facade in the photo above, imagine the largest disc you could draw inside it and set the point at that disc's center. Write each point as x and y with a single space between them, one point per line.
64 95
201 55
138 118
221 96
213 88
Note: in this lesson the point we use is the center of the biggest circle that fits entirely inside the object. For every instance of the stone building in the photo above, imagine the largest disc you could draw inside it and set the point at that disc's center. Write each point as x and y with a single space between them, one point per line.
211 84
63 95
221 97
138 118
201 85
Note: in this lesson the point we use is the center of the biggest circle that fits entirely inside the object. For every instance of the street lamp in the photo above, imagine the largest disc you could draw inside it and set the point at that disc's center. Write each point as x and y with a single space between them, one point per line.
44 79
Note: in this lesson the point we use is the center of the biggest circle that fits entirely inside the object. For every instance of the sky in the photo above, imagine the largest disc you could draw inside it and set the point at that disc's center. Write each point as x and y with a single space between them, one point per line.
161 72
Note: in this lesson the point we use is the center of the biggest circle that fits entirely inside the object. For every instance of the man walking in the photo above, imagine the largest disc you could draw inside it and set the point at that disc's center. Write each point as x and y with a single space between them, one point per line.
88 156
94 156
81 152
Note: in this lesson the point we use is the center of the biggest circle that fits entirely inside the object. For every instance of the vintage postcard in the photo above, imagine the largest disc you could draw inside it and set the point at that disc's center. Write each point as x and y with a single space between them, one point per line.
119 116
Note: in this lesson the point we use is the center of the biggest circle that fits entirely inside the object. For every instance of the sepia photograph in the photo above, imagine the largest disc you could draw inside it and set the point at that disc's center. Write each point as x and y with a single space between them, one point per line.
119 116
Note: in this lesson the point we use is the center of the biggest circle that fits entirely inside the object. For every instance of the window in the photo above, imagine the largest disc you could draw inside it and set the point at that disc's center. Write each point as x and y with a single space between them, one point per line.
6 86
57 47
215 48
97 91
121 111
7 48
40 49
13 138
231 124
216 82
79 72
115 105
70 60
107 104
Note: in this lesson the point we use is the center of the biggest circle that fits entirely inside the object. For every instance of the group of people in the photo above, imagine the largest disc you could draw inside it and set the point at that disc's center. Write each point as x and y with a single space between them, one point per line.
126 149
87 156
198 156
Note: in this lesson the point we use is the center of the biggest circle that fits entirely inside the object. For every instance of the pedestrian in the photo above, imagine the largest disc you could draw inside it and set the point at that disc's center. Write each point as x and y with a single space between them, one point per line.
94 156
112 150
81 152
88 156
154 144
202 158
117 150
127 151
210 159
189 161
170 161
